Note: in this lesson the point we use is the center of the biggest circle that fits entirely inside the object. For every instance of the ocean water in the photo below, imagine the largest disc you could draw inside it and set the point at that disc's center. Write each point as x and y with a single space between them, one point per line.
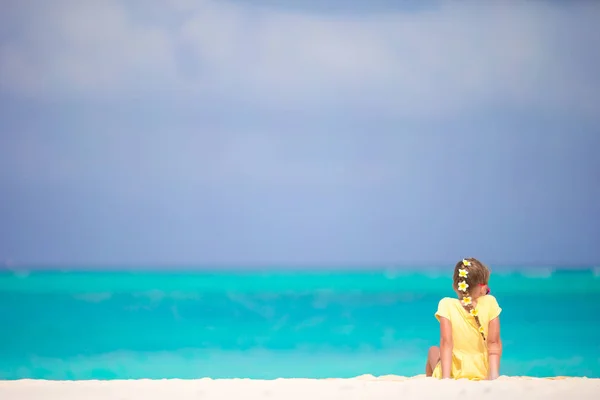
125 325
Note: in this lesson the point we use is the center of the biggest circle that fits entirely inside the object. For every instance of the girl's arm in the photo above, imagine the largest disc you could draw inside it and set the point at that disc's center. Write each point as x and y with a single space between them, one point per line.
494 348
446 345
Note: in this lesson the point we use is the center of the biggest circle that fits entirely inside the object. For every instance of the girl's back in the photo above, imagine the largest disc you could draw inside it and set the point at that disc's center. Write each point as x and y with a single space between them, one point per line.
470 345
469 352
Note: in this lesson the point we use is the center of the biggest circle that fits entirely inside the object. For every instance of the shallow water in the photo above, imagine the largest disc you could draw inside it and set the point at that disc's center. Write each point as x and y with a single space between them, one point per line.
108 325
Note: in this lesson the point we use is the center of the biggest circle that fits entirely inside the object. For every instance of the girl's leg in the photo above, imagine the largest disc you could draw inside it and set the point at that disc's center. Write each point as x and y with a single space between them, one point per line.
433 357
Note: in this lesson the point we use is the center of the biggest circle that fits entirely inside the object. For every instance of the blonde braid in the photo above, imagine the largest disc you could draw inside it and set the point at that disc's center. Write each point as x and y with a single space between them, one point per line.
473 273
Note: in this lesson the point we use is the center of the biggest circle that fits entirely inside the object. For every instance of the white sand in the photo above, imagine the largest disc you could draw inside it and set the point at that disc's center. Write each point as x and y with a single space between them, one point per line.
364 387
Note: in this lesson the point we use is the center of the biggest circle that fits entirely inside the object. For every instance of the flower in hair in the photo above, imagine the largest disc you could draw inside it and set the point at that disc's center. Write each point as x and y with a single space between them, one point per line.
474 312
466 300
462 286
466 262
462 273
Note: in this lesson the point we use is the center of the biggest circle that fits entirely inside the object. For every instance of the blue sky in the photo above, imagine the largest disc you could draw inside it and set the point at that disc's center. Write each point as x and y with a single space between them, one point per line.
297 133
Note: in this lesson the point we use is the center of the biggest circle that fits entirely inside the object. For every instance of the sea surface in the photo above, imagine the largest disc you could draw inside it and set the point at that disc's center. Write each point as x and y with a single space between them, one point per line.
126 325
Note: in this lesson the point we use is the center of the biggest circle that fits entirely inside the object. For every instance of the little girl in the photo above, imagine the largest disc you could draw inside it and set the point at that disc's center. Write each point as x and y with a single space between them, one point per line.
470 345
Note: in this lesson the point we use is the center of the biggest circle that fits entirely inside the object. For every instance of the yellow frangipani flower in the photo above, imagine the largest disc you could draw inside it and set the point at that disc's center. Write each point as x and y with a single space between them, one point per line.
463 273
466 262
462 286
474 312
466 300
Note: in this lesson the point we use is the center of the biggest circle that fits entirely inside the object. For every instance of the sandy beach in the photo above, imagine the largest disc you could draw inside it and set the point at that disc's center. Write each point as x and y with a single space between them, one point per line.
362 387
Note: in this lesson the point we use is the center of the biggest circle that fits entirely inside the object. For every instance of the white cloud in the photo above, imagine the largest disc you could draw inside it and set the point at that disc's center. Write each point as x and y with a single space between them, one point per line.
429 63
82 49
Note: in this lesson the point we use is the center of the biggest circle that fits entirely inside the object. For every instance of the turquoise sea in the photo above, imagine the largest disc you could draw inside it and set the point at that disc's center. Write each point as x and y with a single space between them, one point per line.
123 325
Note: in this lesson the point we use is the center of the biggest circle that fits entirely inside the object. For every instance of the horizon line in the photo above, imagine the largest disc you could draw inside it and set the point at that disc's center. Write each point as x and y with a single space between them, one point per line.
278 267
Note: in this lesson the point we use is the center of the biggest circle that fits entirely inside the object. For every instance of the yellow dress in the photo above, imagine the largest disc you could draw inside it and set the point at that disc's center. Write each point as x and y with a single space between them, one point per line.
469 354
